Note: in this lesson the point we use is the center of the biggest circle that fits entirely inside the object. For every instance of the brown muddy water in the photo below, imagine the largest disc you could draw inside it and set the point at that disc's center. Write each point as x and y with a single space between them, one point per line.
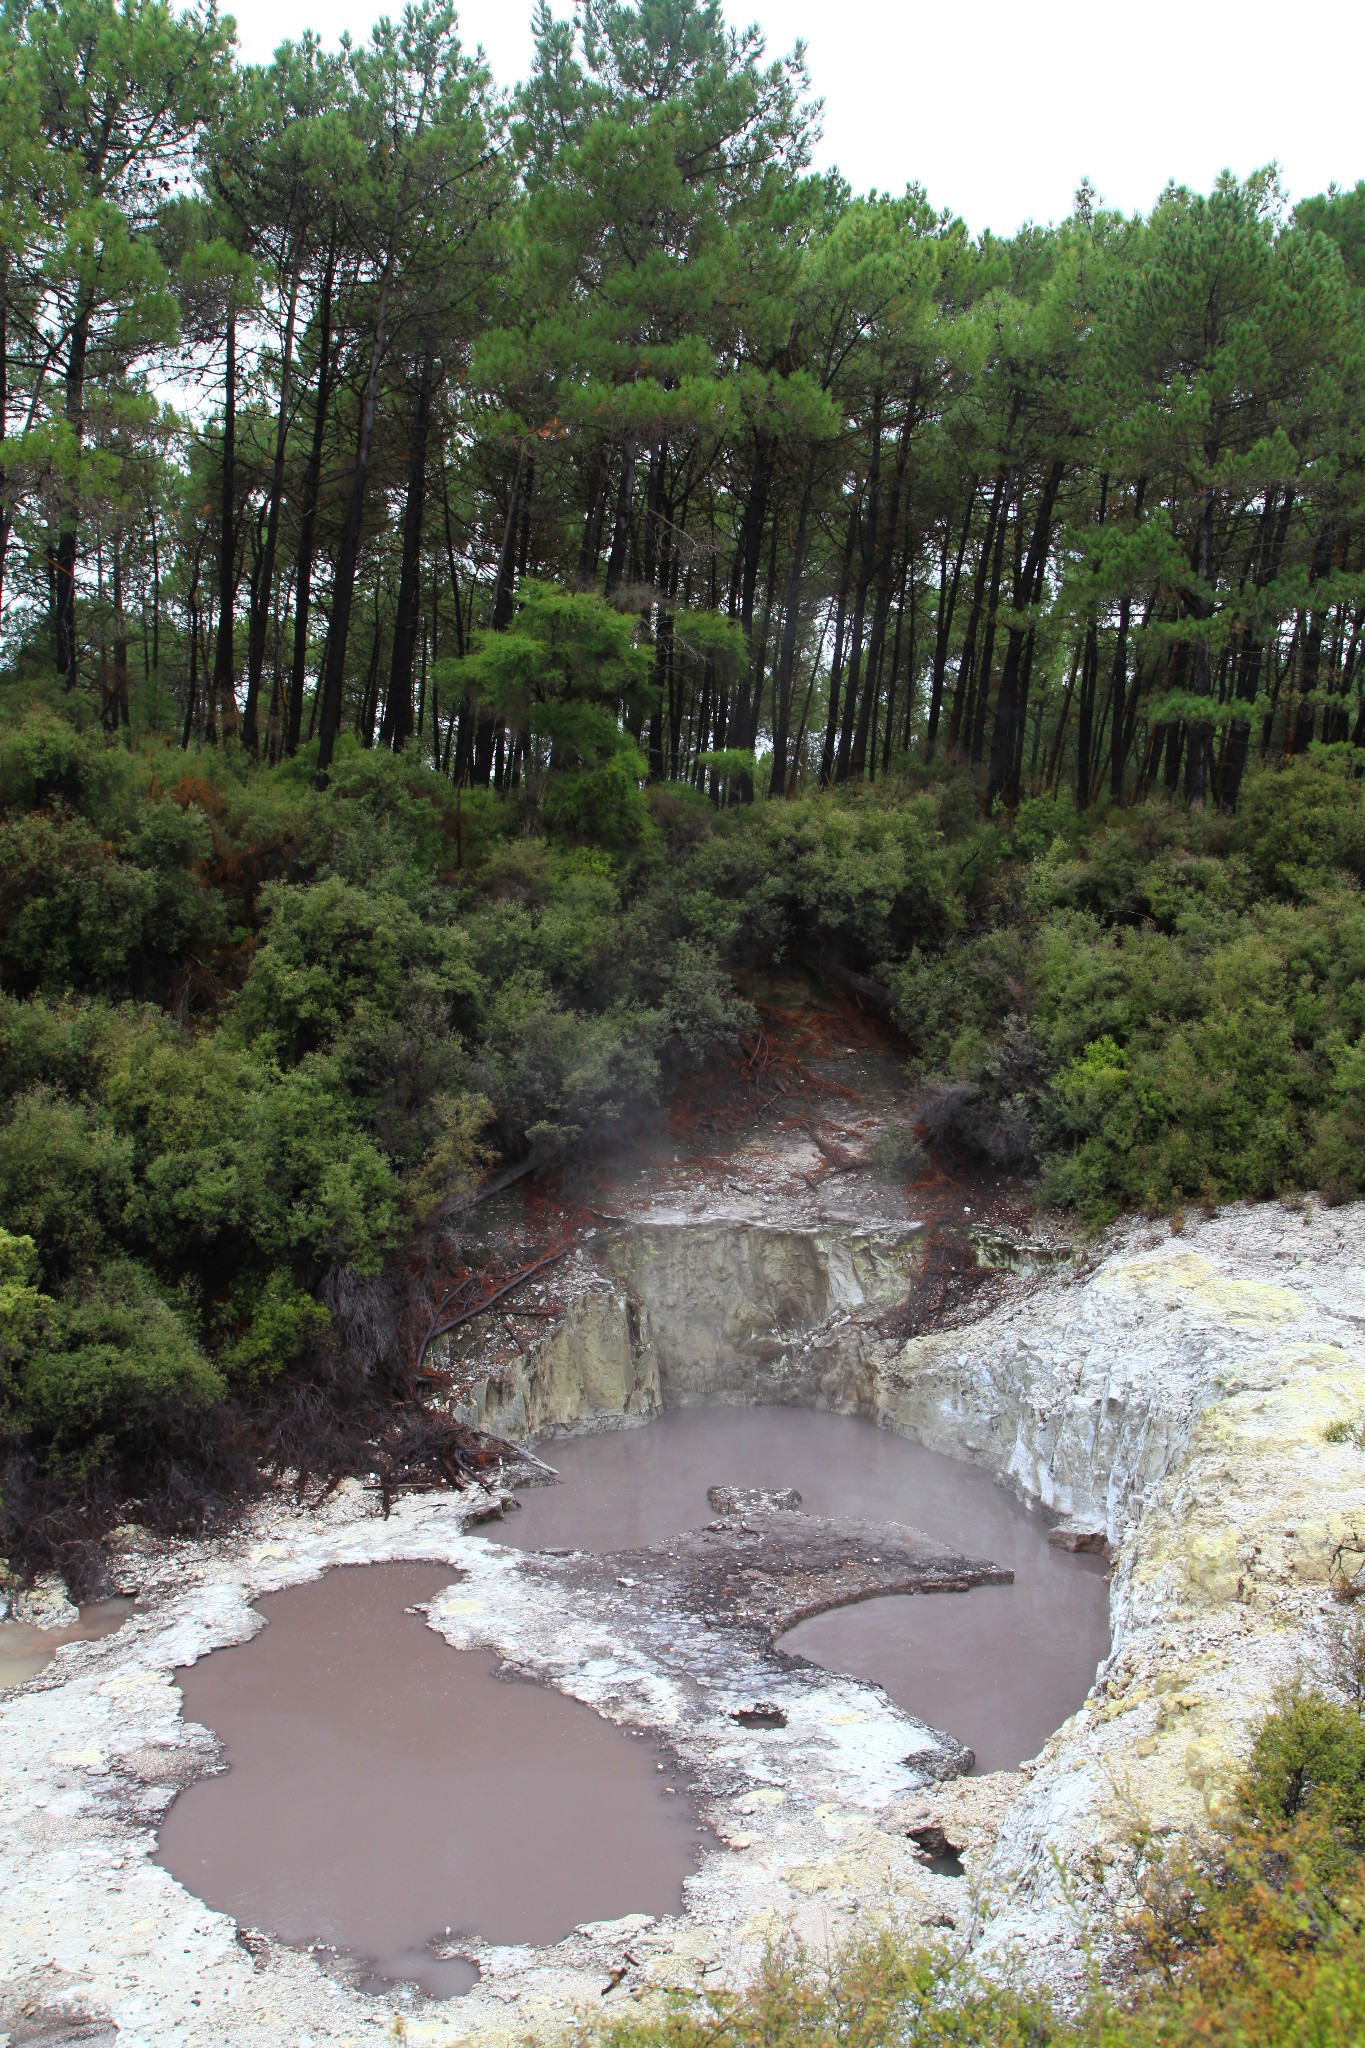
25 1649
384 1790
385 1793
1000 1667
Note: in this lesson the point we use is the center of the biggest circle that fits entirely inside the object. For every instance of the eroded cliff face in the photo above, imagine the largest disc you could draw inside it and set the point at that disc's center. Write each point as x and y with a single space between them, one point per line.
1172 1392
596 1370
730 1309
744 1311
676 1312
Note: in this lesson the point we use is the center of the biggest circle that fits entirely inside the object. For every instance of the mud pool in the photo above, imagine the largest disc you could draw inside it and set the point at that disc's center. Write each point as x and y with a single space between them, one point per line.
999 1669
1184 1395
384 1797
26 1648
385 1794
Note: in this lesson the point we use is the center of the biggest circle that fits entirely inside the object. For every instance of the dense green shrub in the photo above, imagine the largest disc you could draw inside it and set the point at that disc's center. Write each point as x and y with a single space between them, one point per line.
1296 826
1158 1005
278 1326
1308 1762
109 1362
47 759
333 955
563 1079
24 1308
66 1178
77 914
599 806
862 879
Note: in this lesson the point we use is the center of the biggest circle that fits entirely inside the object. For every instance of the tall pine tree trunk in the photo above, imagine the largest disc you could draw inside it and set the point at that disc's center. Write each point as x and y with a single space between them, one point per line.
1199 734
1121 737
590 547
947 605
505 580
265 582
348 557
63 552
1300 736
981 678
836 666
227 537
881 608
618 559
966 666
1090 676
6 509
843 760
791 625
1007 737
397 726
121 708
748 557
308 522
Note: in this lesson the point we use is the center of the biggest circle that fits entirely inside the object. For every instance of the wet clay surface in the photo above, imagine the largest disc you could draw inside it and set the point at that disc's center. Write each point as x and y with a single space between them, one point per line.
764 1571
383 1788
26 1649
999 1670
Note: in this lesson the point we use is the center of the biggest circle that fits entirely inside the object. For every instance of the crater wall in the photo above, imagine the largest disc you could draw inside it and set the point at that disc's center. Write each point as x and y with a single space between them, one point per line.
723 1310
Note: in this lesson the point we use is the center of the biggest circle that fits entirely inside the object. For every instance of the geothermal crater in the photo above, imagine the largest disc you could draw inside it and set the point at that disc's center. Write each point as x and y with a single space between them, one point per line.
495 1812
695 1548
782 1707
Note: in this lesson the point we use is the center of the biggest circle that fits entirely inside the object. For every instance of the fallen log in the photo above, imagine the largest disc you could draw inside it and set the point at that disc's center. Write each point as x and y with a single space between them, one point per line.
443 1325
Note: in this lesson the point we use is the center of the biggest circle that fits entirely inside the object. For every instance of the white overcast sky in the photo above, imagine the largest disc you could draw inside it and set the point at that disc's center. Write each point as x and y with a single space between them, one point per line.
999 108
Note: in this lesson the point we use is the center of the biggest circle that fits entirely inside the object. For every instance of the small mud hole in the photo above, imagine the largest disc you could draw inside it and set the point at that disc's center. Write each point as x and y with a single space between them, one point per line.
26 1649
383 1788
1000 1668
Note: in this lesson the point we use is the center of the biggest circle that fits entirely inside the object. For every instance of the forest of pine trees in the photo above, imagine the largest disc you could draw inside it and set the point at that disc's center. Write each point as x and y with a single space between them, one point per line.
488 579
317 378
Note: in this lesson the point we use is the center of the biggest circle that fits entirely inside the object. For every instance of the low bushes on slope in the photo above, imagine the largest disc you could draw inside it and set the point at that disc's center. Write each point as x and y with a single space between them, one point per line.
257 1043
